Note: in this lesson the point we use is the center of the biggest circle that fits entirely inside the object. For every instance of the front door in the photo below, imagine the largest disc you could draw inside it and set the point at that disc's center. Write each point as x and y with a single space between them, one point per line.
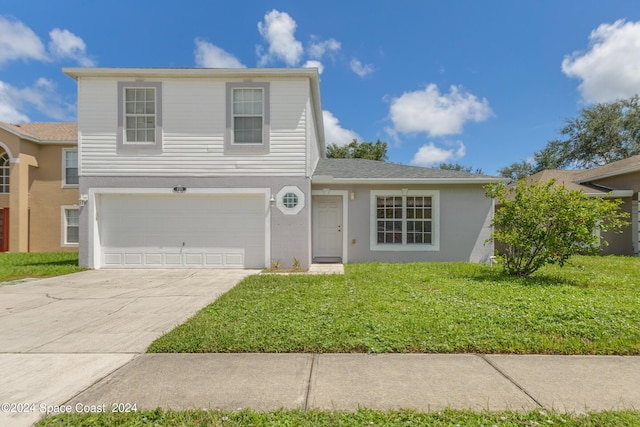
327 228
4 229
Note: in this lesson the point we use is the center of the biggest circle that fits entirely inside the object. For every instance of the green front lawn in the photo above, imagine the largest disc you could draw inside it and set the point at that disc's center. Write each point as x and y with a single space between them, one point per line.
362 417
16 266
591 306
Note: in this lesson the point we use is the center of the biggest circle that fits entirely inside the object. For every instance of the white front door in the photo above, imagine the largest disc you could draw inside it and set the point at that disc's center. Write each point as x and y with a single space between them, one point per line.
327 228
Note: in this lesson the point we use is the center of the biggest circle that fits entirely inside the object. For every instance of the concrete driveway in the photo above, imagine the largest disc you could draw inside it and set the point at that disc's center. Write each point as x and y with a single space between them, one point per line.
60 335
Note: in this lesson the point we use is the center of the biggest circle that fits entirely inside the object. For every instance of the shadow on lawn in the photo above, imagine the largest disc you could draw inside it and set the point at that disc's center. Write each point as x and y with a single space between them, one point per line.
499 277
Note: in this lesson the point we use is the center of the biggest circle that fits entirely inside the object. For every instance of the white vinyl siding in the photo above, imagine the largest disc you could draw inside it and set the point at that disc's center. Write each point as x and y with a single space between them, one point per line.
193 132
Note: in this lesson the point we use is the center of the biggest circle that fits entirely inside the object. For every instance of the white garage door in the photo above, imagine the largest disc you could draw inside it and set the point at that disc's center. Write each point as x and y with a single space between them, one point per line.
179 230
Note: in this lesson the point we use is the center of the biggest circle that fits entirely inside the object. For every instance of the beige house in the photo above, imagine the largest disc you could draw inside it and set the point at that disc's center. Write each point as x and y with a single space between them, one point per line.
38 187
617 180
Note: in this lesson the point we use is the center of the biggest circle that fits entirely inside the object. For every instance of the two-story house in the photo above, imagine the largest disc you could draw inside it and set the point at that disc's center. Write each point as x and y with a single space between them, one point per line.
226 168
38 187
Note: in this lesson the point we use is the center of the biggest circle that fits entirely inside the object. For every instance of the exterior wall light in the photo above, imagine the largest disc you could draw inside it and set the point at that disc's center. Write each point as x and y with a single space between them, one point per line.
84 198
272 201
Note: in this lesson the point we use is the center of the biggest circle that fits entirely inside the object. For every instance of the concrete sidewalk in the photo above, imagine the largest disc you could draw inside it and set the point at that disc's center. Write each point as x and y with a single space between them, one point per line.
391 381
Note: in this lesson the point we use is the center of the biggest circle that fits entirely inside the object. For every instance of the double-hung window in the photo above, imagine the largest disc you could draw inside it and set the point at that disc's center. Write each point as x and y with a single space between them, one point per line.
70 225
70 167
247 117
404 220
4 172
139 116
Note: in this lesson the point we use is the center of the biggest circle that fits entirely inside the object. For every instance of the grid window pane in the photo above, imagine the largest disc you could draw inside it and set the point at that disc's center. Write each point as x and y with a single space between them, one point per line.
247 115
4 172
71 167
404 219
140 120
72 225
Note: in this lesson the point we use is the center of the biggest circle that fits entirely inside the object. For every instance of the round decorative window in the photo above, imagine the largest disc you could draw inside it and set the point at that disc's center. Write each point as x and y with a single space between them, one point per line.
290 200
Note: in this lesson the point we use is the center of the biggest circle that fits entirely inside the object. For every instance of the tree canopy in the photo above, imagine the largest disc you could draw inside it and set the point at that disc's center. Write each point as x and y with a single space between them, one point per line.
602 133
358 150
459 167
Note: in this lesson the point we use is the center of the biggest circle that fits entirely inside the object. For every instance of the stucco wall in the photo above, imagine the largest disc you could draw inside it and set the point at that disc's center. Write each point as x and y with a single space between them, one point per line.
465 216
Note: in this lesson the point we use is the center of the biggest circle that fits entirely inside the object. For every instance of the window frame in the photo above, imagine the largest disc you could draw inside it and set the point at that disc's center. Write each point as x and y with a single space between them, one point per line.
230 146
404 246
5 172
64 235
65 184
122 145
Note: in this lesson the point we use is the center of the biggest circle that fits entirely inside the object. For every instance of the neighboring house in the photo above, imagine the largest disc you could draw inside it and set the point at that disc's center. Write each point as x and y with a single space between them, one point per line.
226 168
617 180
38 187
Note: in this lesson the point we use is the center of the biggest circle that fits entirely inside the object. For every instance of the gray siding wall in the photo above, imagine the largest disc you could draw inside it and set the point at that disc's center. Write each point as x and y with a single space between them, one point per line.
465 218
290 234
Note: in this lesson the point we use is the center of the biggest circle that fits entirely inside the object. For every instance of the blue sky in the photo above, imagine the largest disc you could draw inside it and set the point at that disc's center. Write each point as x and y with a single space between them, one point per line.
482 83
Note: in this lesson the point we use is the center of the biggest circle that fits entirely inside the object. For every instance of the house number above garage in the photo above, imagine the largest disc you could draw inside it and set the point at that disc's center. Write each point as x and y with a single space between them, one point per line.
290 200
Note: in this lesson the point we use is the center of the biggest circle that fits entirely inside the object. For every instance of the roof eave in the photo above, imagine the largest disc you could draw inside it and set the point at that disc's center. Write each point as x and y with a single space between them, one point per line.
35 139
617 172
323 179
612 194
77 72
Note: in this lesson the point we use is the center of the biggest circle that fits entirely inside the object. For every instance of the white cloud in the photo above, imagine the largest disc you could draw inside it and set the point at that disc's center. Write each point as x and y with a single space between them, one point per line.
314 64
65 44
437 114
19 42
317 49
610 69
360 69
16 103
211 56
334 133
278 31
429 154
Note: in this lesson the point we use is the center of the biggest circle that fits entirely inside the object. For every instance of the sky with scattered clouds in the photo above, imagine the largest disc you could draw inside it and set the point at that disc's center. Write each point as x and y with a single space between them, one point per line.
483 84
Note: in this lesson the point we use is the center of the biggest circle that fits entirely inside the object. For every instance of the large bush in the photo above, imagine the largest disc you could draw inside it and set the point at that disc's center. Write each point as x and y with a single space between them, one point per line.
543 223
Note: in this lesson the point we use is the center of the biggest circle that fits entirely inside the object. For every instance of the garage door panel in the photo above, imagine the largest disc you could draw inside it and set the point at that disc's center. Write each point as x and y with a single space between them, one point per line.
182 231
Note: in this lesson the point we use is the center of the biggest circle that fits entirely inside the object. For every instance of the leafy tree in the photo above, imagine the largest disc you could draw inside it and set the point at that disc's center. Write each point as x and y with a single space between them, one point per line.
358 150
601 134
543 223
459 167
517 171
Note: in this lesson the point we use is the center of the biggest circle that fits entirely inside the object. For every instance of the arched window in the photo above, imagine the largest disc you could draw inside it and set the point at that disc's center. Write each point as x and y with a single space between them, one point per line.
4 172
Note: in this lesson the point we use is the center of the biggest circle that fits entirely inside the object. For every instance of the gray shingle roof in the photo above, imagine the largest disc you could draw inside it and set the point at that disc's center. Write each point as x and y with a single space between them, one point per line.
371 170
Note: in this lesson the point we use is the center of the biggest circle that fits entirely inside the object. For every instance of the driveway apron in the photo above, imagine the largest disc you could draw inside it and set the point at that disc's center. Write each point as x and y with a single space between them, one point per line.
60 335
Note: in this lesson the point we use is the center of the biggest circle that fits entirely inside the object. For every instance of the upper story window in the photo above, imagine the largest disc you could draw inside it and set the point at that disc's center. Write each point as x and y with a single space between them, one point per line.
139 117
4 172
248 118
247 115
70 167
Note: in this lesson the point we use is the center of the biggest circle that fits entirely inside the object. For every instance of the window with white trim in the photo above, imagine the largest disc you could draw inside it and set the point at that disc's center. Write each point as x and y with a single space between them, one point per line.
139 116
70 167
404 220
70 225
4 172
247 117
